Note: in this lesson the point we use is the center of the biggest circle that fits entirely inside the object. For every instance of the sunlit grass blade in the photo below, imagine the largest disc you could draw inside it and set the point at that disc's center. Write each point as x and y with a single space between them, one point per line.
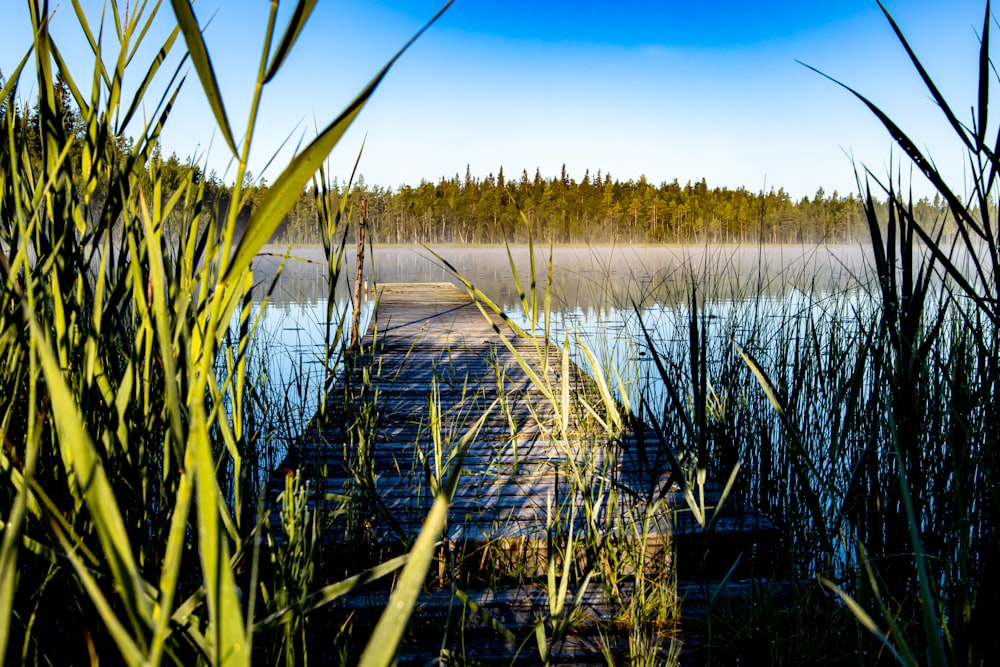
12 524
136 35
161 321
559 581
804 468
154 68
676 472
521 293
11 83
188 24
79 99
95 48
287 188
563 425
481 297
542 641
764 381
173 558
730 482
382 646
96 490
11 528
131 652
865 619
485 616
331 592
303 8
228 640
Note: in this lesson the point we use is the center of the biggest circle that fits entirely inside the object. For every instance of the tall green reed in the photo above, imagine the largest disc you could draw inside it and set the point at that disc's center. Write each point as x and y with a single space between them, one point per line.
873 435
126 502
705 363
937 334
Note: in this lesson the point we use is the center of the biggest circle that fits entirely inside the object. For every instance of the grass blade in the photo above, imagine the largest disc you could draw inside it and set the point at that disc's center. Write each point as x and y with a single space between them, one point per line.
333 591
960 130
154 67
384 641
932 627
95 48
925 166
667 382
803 466
171 565
130 651
382 645
188 24
97 492
295 24
229 643
675 469
12 523
287 188
11 82
485 616
866 621
725 494
984 79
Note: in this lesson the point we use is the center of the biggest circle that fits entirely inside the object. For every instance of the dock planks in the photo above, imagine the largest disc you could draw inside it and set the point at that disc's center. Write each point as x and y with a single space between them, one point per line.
434 376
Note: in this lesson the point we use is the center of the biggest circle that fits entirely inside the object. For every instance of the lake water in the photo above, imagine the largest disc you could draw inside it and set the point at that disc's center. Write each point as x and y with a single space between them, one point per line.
600 295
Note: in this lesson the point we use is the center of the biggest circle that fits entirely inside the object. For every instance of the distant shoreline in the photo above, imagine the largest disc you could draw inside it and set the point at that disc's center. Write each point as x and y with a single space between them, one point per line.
280 248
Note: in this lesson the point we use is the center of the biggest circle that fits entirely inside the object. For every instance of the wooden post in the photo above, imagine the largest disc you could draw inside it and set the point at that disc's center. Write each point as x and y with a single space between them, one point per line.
358 275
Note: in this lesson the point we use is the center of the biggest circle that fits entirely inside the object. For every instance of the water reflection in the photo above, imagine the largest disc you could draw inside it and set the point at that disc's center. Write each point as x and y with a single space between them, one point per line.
600 294
584 277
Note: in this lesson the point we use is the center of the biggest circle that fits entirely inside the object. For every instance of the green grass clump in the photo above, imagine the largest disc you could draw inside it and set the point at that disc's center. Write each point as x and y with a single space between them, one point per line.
872 433
133 417
128 474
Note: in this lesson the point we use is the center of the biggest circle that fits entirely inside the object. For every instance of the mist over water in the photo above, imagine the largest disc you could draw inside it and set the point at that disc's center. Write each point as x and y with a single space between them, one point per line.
584 277
597 294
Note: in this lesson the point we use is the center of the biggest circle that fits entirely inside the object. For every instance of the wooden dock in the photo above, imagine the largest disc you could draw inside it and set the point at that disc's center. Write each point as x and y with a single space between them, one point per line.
439 379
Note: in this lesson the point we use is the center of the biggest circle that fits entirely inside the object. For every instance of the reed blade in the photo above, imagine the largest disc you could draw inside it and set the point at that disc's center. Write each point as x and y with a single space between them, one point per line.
804 467
228 640
384 642
287 188
188 24
332 592
147 79
939 99
303 9
485 616
95 48
131 652
925 166
96 490
865 619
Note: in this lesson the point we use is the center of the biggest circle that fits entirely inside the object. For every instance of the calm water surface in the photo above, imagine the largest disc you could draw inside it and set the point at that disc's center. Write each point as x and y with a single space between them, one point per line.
599 296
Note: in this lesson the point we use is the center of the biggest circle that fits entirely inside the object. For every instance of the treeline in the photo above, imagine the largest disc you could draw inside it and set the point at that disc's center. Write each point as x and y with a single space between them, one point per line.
598 209
471 210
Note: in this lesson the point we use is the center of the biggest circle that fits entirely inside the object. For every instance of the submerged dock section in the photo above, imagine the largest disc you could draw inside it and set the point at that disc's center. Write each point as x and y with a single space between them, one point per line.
557 484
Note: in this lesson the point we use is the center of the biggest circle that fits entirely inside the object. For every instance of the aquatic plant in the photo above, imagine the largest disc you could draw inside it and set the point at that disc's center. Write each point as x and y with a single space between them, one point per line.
128 491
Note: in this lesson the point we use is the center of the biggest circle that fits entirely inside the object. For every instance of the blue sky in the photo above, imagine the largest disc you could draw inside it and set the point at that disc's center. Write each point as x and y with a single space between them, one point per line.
669 90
